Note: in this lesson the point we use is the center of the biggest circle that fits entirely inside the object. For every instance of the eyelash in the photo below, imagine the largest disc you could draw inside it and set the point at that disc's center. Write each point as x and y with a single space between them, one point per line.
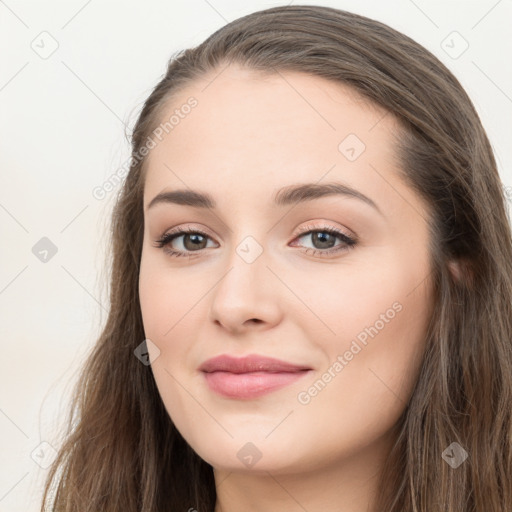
167 238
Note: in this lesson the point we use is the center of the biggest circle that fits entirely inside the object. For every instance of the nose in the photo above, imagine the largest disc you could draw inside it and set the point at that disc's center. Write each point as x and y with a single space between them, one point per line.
246 297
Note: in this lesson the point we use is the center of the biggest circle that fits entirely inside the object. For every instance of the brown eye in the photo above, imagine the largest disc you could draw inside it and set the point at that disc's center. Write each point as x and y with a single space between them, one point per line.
193 241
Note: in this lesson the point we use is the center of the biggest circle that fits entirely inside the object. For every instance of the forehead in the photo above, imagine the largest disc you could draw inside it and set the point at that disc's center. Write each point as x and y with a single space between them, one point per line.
239 109
251 133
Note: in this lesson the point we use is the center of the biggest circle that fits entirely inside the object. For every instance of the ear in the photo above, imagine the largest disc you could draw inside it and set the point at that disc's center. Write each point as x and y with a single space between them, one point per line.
454 267
461 271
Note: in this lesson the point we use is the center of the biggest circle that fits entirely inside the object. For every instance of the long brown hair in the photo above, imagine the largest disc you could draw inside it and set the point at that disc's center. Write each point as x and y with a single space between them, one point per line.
122 451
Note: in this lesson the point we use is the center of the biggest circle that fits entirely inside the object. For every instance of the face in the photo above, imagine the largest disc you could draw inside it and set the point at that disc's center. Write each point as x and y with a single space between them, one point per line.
332 278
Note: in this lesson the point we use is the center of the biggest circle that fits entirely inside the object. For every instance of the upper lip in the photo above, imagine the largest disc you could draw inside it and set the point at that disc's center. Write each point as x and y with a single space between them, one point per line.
248 364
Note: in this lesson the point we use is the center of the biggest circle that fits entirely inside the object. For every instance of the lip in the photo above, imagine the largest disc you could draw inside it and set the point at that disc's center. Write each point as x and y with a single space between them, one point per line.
250 376
248 364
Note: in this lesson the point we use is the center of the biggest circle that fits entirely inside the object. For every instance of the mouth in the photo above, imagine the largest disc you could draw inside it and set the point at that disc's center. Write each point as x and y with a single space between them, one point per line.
251 376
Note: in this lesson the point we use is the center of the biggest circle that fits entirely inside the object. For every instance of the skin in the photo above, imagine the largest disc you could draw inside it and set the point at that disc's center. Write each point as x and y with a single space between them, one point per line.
248 136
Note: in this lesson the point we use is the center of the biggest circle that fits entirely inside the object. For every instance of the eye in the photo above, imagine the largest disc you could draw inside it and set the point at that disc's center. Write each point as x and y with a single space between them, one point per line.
323 239
195 240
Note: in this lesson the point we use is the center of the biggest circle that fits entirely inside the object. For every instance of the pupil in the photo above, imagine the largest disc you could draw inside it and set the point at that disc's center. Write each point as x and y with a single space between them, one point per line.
323 238
196 240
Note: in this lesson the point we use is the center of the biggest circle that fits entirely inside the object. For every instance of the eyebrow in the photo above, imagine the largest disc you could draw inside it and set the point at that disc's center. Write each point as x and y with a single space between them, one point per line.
292 194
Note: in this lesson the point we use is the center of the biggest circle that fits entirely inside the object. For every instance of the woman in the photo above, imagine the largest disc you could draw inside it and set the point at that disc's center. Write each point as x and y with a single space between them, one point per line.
341 340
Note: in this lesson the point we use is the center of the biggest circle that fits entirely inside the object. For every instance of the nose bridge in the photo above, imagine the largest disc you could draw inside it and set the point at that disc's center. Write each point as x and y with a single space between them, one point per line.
247 270
246 291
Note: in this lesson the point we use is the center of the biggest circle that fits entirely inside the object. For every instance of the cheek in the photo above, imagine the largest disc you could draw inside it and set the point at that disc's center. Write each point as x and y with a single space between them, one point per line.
168 315
375 314
371 371
342 303
380 323
172 315
166 297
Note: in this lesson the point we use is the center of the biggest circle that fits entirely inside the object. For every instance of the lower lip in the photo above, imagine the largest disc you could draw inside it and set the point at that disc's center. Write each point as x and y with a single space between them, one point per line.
250 385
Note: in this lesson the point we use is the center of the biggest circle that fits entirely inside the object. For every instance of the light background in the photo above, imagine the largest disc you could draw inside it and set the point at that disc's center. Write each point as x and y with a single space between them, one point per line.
62 133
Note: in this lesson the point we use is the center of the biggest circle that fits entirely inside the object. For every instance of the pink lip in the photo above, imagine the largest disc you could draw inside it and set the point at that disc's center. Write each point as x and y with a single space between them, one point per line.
250 376
247 364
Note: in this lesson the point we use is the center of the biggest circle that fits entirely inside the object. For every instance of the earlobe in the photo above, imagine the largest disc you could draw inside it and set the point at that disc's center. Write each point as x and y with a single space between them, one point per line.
454 267
461 271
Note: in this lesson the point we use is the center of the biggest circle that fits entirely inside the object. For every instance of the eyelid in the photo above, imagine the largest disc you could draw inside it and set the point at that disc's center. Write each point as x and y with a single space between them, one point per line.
324 225
297 232
188 229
